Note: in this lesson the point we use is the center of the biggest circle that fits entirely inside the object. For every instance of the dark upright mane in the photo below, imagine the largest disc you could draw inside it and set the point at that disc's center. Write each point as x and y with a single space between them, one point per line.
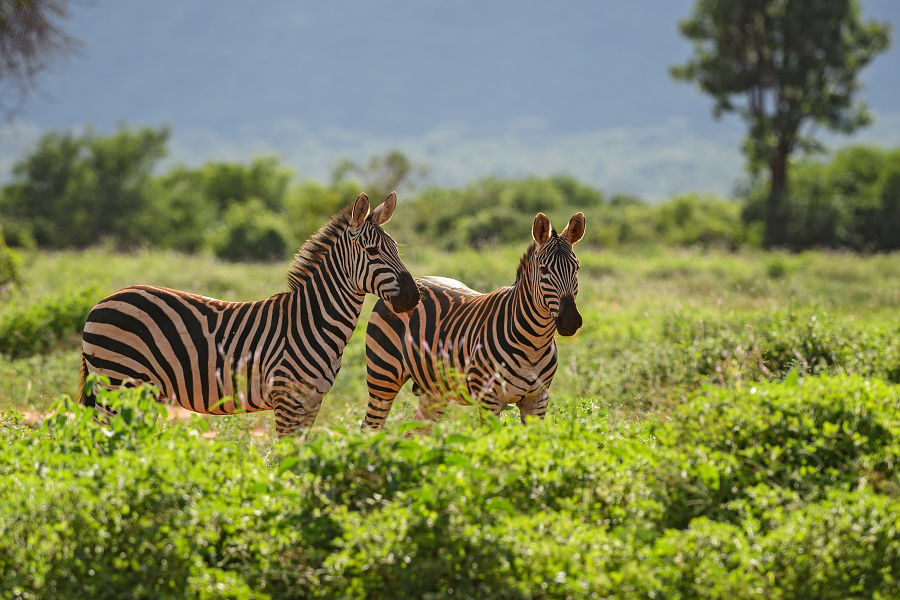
316 247
526 258
529 253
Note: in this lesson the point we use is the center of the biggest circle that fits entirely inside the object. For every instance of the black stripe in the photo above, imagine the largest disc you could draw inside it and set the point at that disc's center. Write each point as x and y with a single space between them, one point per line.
110 316
198 336
169 330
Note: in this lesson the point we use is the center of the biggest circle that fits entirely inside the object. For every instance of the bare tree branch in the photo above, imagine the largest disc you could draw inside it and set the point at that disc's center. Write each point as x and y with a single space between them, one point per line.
31 41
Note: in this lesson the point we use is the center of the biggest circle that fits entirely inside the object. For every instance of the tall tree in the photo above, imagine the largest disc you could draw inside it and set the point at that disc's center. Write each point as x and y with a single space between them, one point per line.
784 66
31 40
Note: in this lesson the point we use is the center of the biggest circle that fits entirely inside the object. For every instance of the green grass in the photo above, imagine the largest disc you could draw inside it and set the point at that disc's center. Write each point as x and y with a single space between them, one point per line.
656 319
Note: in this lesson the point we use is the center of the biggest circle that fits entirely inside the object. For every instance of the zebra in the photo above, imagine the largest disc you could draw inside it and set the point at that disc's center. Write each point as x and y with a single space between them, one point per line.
282 353
496 348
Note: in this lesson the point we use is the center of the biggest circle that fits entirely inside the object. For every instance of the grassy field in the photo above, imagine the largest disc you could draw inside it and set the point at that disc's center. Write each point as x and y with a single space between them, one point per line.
657 321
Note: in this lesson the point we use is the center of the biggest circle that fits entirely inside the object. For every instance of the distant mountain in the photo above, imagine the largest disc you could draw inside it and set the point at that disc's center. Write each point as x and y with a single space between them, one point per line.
471 87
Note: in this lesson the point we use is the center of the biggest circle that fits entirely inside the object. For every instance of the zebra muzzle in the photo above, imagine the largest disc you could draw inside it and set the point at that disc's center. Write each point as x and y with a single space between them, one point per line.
407 297
569 319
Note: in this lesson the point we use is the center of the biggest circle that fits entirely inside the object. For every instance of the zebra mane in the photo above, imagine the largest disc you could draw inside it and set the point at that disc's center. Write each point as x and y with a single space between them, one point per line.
529 254
314 250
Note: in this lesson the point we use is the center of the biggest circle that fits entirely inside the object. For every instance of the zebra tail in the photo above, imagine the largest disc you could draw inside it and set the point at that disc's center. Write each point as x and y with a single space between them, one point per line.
85 397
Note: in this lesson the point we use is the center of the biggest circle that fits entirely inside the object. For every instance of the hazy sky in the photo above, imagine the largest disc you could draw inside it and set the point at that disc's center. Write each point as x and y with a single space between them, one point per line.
470 88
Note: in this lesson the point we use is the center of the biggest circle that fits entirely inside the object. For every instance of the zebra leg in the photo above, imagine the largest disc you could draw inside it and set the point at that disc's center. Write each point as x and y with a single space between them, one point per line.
381 400
294 412
533 406
385 375
431 410
484 391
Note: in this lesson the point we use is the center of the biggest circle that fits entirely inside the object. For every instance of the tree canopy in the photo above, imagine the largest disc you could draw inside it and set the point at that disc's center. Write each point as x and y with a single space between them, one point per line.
785 66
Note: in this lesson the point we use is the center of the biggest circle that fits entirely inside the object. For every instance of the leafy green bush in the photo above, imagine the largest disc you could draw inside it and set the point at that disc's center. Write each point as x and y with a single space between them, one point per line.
180 216
782 491
47 323
10 264
770 345
692 219
78 190
856 535
309 205
251 232
493 210
803 439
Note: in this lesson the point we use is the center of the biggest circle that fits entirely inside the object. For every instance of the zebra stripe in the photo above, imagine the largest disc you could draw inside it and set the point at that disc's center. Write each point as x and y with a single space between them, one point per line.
462 346
282 353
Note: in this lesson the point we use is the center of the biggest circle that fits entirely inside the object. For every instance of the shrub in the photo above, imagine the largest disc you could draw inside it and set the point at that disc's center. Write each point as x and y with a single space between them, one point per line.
10 264
251 232
738 349
740 494
804 438
851 202
691 219
47 323
309 205
77 190
179 216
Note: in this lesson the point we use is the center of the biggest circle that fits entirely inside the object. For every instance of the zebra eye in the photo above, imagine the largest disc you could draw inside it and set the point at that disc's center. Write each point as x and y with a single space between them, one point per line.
372 251
544 270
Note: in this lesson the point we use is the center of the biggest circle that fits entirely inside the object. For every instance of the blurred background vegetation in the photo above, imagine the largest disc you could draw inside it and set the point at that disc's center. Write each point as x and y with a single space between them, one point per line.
80 190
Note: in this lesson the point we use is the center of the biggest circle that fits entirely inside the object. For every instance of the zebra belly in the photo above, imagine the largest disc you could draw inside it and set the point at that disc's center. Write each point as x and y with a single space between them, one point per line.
120 368
124 342
447 375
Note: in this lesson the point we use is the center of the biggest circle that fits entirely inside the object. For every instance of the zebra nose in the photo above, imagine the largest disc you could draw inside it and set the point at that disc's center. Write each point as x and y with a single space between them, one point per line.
569 319
407 297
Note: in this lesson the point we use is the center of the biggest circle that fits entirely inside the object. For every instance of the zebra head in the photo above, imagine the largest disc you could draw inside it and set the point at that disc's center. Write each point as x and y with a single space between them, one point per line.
555 270
376 265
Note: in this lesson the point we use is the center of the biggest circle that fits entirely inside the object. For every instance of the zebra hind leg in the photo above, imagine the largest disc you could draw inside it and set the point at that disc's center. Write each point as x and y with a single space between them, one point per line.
88 397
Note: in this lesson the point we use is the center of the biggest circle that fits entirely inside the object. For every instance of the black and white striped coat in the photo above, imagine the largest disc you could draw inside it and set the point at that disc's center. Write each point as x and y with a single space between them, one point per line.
496 348
282 353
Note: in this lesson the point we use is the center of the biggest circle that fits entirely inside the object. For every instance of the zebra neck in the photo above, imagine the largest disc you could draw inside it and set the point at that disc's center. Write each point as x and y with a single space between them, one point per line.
326 310
529 325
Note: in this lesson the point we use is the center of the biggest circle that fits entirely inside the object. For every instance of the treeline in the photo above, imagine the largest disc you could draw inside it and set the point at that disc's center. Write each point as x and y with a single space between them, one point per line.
77 190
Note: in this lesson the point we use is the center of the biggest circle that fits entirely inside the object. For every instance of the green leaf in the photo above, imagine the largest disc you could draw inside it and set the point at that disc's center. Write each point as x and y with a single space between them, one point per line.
708 475
411 425
458 438
500 504
792 379
286 464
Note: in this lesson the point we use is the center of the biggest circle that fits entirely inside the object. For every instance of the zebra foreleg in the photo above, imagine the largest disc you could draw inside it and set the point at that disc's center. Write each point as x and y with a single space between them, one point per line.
485 392
294 412
382 393
533 406
431 409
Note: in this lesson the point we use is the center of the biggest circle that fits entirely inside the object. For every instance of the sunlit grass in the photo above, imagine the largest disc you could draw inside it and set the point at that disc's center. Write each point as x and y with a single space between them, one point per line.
620 359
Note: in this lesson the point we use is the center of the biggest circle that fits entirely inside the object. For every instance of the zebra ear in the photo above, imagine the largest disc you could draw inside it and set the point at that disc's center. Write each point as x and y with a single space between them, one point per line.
360 210
540 231
383 213
574 231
